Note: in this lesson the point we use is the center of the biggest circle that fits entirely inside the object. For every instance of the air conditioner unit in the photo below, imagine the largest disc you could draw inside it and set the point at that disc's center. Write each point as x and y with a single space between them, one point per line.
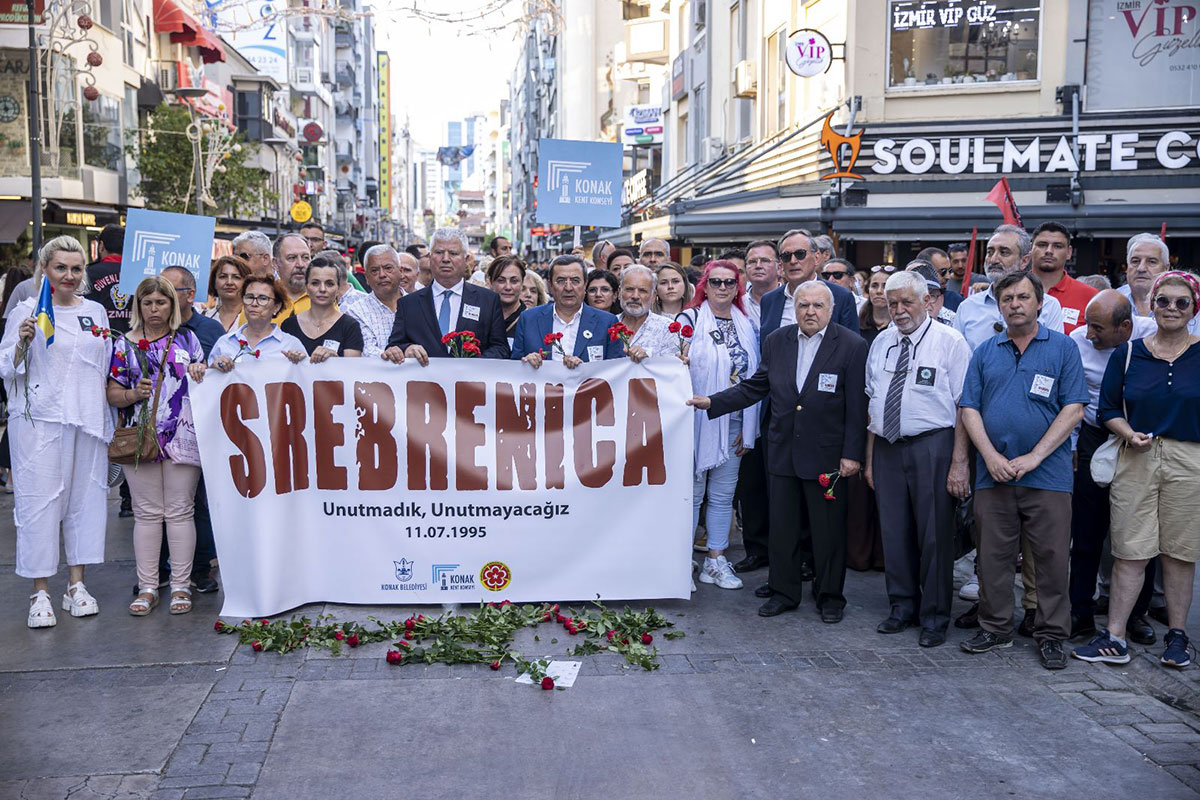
745 79
699 14
711 148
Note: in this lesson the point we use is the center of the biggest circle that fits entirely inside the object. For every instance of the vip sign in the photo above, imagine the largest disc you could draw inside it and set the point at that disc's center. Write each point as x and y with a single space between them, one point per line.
808 53
1143 54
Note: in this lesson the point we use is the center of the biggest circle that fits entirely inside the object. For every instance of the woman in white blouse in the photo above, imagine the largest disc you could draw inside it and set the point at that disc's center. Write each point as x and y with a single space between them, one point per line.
59 425
262 299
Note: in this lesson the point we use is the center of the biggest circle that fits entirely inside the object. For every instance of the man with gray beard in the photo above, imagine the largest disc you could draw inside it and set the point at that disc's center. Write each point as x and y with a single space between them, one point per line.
651 332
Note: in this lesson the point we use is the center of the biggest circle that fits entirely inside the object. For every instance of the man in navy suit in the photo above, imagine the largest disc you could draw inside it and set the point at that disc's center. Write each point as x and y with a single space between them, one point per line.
449 304
798 260
584 329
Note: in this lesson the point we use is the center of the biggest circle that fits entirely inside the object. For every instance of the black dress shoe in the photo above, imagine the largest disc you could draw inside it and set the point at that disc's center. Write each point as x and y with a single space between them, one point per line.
204 583
806 572
1159 615
931 638
969 618
1083 627
750 563
1139 630
776 606
764 591
125 513
831 616
893 625
1026 626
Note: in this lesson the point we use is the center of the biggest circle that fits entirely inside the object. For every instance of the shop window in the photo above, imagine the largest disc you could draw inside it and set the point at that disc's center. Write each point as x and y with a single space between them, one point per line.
951 43
102 133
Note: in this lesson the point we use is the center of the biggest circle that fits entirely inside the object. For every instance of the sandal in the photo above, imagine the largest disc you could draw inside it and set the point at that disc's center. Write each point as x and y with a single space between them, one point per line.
181 601
146 600
41 611
81 603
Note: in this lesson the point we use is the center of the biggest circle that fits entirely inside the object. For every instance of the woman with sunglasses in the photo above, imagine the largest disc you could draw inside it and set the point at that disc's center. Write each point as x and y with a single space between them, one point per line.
1150 397
225 281
874 315
722 353
600 291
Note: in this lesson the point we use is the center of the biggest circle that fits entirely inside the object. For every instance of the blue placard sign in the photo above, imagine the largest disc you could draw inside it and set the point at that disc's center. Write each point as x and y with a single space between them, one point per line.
155 240
579 183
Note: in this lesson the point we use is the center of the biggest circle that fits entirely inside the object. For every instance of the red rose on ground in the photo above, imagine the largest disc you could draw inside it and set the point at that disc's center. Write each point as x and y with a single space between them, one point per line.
408 634
352 640
559 618
674 327
686 331
218 625
647 638
408 624
245 622
264 622
554 608
610 635
394 657
823 479
256 645
339 635
547 682
420 617
495 665
403 644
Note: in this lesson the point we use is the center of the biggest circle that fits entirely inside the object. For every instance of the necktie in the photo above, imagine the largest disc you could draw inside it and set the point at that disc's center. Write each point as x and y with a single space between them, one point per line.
444 313
891 404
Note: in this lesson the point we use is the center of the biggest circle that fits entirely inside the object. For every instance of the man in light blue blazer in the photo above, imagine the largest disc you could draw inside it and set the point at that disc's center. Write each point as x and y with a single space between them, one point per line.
584 329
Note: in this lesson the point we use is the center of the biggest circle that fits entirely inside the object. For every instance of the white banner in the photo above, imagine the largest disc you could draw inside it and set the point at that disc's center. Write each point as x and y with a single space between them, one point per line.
359 481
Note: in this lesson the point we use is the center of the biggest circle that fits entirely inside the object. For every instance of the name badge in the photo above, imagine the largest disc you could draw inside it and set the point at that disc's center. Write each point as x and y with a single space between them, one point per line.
181 356
595 352
926 376
471 312
1070 315
331 344
86 324
827 382
1042 384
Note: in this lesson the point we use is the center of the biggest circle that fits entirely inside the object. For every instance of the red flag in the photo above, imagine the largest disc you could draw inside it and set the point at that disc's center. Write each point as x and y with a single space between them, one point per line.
1002 196
966 282
1163 233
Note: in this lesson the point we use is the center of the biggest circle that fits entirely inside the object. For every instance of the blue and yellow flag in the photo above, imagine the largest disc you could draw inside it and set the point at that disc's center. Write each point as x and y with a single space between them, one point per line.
45 312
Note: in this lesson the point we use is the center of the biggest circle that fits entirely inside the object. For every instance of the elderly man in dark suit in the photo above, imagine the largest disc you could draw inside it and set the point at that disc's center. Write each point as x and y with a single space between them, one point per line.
815 374
449 304
797 265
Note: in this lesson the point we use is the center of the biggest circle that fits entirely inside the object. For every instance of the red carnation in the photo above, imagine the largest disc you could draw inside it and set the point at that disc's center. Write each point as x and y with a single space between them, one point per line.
547 682
823 479
647 638
256 352
352 640
495 665
218 625
256 645
394 657
686 332
828 496
449 337
143 344
674 327
95 330
339 635
612 333
115 372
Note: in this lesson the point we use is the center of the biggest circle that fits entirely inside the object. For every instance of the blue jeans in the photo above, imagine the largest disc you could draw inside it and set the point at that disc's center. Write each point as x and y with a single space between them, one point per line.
721 482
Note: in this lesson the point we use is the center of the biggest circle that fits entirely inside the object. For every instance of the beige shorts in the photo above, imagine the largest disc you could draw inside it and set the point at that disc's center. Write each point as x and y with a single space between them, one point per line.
1155 501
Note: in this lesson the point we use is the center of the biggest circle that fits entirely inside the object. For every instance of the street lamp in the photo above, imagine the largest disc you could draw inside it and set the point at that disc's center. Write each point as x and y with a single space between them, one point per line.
273 141
194 134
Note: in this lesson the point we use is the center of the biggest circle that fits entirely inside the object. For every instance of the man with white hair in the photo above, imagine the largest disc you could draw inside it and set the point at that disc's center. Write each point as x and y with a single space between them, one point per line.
823 245
651 332
814 372
917 456
1146 257
376 313
979 319
254 248
450 304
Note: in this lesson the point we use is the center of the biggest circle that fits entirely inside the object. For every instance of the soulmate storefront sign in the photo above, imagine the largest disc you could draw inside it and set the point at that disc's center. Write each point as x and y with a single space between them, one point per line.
358 481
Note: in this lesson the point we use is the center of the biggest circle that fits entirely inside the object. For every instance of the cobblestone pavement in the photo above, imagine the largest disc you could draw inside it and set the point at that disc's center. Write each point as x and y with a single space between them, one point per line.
118 707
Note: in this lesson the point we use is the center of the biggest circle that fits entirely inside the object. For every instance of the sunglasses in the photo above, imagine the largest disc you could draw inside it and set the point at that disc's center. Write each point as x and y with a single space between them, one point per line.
1180 303
833 276
245 256
722 283
884 268
788 255
946 271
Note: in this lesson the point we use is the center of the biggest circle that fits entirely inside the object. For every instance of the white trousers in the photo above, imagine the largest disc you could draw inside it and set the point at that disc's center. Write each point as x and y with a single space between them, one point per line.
60 480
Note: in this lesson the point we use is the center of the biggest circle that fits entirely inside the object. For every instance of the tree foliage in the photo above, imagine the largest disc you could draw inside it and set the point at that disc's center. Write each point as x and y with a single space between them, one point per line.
163 155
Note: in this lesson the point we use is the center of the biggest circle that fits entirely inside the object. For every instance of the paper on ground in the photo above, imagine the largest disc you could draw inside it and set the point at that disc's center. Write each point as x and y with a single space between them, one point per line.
564 673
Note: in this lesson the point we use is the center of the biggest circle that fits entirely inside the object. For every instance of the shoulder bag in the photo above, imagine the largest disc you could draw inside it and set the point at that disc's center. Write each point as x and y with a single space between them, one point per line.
1104 460
125 447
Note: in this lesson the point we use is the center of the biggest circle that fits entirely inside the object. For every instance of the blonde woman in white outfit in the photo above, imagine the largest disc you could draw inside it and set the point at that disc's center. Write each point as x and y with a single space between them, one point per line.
60 448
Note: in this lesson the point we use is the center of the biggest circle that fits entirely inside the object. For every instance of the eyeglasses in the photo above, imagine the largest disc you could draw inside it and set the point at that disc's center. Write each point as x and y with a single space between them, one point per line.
946 271
258 299
1164 302
788 255
722 283
245 256
834 276
884 268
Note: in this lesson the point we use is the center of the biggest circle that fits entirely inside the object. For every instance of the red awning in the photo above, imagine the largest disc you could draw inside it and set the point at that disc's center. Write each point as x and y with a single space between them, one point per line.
170 18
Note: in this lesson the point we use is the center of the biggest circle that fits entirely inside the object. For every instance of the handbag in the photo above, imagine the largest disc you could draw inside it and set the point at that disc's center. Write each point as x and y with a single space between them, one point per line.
125 447
1104 460
184 448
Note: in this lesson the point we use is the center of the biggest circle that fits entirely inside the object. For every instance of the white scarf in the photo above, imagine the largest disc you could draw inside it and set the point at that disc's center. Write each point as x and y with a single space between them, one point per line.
710 368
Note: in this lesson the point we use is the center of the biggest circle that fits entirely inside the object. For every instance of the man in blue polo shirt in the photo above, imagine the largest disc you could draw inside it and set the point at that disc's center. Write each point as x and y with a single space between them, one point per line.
1024 393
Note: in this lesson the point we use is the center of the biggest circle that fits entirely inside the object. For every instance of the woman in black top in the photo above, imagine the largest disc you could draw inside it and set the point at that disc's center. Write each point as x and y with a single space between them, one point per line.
506 277
600 291
324 331
875 315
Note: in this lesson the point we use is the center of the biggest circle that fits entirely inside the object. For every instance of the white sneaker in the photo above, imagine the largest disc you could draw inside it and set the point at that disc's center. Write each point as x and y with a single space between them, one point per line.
80 604
970 590
41 612
719 571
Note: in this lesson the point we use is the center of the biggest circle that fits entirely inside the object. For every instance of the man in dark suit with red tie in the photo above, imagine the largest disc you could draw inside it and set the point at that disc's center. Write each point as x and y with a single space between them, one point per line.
448 304
815 374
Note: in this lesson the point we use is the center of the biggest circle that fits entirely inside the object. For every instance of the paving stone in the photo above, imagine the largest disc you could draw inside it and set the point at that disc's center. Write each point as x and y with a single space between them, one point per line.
214 778
1189 775
1165 727
213 792
1131 736
1110 698
243 773
1173 753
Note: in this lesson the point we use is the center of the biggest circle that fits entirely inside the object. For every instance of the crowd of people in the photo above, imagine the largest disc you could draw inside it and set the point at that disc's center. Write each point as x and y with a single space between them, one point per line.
887 418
